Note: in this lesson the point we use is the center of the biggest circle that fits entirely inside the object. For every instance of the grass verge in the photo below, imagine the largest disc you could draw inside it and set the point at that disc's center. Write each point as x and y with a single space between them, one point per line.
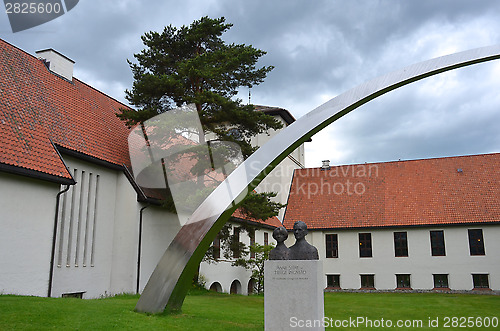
212 311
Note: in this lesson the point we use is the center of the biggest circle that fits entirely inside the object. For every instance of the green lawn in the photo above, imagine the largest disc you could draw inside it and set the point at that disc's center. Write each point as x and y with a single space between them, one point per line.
213 311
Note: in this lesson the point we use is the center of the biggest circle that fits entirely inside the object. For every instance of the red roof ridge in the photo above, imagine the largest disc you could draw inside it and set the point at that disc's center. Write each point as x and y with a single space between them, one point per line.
412 160
273 221
101 92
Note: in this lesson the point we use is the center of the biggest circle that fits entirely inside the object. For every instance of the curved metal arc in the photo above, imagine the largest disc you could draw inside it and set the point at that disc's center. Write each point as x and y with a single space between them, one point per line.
171 278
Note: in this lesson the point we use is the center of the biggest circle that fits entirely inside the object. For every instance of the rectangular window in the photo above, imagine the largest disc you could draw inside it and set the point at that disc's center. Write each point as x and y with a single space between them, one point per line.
365 245
437 243
236 243
441 281
252 242
476 243
368 281
403 281
333 281
216 248
480 281
331 246
266 238
77 295
400 244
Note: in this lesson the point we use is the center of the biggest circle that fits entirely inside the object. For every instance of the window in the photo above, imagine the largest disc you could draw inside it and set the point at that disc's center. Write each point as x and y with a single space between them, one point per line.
437 243
252 242
236 243
368 281
400 244
480 281
331 246
365 245
476 243
216 248
403 281
266 238
77 295
441 281
333 281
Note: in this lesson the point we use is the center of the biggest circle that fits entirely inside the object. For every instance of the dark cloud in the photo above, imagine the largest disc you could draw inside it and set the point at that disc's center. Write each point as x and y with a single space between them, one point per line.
320 49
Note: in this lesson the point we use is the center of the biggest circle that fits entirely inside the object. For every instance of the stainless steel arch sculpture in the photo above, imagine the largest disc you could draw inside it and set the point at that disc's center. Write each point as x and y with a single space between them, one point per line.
168 285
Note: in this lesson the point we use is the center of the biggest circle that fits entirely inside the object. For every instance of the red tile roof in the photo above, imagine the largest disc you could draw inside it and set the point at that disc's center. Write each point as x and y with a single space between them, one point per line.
273 222
39 109
441 191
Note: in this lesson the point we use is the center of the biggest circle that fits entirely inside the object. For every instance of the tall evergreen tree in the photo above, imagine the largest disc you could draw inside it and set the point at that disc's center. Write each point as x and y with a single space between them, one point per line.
193 65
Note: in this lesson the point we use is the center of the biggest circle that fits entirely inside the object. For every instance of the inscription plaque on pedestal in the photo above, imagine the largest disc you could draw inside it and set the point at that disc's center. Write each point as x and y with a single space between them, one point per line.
293 295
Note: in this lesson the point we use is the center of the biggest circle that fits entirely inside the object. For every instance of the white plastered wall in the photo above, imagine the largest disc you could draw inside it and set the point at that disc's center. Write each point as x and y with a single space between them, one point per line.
115 252
158 230
26 223
458 263
84 248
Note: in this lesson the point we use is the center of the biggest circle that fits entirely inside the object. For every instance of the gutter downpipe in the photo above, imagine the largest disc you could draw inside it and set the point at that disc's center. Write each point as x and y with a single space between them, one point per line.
139 248
53 253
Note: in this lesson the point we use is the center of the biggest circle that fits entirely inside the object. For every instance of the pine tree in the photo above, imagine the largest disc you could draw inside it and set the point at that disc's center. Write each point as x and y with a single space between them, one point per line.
193 65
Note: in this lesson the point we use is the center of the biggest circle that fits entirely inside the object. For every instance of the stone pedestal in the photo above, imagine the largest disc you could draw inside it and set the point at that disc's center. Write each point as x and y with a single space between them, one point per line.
293 295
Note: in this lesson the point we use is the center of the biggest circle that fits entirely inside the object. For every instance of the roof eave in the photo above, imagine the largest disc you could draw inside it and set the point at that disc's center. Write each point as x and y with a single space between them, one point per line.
35 174
254 223
401 226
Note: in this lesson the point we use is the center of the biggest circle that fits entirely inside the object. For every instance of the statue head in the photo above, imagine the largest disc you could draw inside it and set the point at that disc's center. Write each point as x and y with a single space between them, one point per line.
280 234
299 230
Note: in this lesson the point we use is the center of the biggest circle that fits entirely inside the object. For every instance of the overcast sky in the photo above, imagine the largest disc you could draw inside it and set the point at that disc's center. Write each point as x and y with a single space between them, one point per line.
319 49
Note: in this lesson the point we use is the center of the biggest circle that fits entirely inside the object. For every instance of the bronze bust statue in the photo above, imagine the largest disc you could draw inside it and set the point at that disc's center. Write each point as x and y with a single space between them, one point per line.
301 250
280 252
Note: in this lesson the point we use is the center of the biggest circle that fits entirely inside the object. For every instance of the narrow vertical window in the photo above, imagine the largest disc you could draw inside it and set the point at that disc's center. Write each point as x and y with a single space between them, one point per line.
216 248
72 217
80 218
365 245
252 243
266 238
94 221
476 242
437 243
400 244
236 243
331 241
87 220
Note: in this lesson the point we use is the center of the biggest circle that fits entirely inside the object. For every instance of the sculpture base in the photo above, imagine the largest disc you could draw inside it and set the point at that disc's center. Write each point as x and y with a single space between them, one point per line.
293 295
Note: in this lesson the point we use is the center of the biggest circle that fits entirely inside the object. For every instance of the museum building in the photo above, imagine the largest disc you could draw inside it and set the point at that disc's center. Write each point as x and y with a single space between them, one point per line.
74 220
430 224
